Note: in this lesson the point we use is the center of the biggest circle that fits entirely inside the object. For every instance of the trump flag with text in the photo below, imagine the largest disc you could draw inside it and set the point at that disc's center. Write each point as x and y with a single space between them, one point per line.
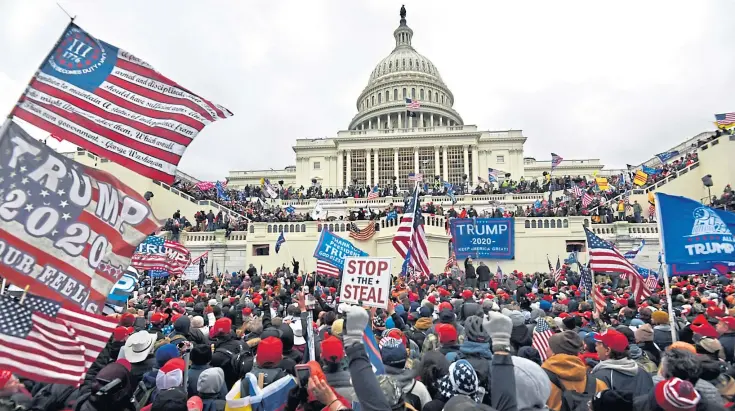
116 105
66 230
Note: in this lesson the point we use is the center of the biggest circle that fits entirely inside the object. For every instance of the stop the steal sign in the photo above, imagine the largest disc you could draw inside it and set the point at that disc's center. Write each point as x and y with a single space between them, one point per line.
366 281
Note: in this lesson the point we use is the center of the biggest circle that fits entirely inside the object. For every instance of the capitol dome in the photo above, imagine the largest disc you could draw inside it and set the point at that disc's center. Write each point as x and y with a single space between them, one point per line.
405 74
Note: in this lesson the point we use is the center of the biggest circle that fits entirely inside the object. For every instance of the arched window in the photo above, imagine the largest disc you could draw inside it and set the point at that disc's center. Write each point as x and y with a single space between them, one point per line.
380 98
252 228
429 95
533 224
410 64
413 93
303 228
421 94
390 65
558 223
566 223
403 63
387 95
404 92
528 224
553 223
442 98
436 97
423 66
298 228
546 223
372 100
270 229
395 94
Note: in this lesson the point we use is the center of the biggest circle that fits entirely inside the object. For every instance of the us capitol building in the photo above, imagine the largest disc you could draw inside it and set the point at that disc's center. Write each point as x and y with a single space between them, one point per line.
383 142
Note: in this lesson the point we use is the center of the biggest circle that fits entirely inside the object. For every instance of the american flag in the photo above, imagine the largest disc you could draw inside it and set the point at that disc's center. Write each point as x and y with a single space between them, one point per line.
113 104
577 190
587 199
585 279
157 254
652 281
412 104
411 235
605 258
541 335
38 346
77 223
557 271
362 235
725 119
324 268
599 300
415 177
556 159
451 262
373 194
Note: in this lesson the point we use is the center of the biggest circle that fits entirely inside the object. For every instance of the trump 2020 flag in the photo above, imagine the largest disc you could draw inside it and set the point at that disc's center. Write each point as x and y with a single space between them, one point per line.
694 233
116 105
66 230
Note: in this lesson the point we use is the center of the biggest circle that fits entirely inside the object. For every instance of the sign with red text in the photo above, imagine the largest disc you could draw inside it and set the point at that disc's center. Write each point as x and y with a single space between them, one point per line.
366 281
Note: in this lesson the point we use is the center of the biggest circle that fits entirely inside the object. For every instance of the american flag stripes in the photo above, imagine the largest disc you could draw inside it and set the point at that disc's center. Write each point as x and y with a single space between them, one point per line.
451 262
556 159
605 258
587 199
599 300
652 281
157 254
415 177
116 105
362 234
577 190
412 104
541 335
557 271
651 211
373 194
79 228
326 269
411 235
725 119
38 346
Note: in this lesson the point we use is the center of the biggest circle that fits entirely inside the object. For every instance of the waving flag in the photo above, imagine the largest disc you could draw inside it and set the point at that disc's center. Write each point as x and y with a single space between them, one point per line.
290 209
412 104
599 300
666 156
73 228
577 190
534 287
362 234
326 269
374 193
451 262
587 199
204 185
634 252
415 177
499 273
725 120
605 258
541 335
411 236
116 105
640 178
279 242
557 271
555 160
585 278
161 256
221 193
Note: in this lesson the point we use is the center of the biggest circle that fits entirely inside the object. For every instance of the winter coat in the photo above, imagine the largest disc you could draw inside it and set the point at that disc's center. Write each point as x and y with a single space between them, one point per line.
469 269
483 273
406 379
728 344
662 336
572 373
624 375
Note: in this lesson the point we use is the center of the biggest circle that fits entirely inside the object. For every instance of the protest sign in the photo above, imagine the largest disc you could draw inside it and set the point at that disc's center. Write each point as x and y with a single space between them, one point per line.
66 230
490 238
334 249
366 281
191 273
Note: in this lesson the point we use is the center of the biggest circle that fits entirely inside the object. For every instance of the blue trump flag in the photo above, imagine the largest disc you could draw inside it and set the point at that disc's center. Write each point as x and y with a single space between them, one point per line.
373 350
664 157
692 233
221 193
279 242
333 249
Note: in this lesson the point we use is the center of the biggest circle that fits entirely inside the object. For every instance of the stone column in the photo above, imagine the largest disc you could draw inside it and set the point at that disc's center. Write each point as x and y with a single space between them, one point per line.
421 119
390 121
436 160
349 168
475 165
376 168
466 163
431 119
395 161
441 121
446 165
370 123
368 176
340 170
400 125
416 159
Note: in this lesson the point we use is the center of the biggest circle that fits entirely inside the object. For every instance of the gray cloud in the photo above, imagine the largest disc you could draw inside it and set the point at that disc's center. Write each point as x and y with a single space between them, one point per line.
617 81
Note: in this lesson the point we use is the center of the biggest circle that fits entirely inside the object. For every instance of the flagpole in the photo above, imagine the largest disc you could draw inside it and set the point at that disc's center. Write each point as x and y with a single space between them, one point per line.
669 303
55 46
416 207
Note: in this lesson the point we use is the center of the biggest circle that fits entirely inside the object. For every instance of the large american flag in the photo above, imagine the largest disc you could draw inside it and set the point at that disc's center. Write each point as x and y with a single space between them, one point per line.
587 199
373 194
725 119
556 159
116 105
362 234
324 268
541 334
157 254
605 258
599 300
412 104
82 222
577 190
411 235
38 346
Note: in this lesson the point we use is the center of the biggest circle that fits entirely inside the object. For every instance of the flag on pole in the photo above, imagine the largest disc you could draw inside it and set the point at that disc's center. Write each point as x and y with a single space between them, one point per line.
534 287
373 194
279 242
451 262
599 300
725 120
556 159
406 269
557 271
585 279
605 258
326 269
412 104
411 236
577 190
587 199
362 234
415 177
634 252
115 105
221 193
541 335
551 268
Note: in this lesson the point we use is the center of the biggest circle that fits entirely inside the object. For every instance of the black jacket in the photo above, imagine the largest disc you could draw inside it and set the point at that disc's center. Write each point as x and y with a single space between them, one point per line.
728 344
221 358
483 273
469 269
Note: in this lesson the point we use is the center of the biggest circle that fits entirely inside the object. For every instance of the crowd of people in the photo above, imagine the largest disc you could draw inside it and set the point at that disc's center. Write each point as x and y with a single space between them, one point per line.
445 342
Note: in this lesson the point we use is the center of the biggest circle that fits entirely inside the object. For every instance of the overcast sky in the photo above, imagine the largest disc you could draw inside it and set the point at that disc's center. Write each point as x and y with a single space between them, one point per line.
616 80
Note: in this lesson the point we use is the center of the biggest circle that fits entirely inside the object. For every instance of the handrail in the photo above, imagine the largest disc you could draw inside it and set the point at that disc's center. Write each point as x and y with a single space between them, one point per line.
210 203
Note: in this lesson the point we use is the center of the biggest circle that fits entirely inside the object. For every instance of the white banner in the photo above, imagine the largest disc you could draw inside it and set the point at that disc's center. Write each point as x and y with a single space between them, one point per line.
366 281
191 272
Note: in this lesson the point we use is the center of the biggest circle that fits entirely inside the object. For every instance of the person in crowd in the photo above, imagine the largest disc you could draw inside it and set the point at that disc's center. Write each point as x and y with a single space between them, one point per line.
616 369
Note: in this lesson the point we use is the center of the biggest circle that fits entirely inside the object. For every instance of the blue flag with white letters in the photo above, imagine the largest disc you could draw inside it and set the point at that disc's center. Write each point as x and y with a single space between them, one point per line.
693 233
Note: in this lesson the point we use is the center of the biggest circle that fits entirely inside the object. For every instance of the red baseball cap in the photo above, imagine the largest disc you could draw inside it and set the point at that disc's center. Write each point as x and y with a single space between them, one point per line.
121 333
729 322
613 339
467 294
247 311
158 318
446 306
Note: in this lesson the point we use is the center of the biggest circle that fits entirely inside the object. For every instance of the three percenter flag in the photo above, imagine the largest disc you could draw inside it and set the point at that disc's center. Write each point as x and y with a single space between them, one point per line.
116 105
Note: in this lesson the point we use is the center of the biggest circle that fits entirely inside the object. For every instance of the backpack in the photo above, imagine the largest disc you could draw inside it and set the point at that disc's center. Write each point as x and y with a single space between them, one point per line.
270 375
572 400
142 395
238 363
646 364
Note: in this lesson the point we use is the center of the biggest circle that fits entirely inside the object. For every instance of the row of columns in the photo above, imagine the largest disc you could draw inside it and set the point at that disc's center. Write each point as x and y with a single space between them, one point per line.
373 173
411 121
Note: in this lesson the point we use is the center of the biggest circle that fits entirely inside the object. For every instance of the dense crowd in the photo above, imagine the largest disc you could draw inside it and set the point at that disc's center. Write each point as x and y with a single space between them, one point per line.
444 344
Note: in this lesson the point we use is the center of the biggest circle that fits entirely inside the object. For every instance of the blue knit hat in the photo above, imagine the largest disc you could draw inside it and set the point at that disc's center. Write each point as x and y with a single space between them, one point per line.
544 305
165 353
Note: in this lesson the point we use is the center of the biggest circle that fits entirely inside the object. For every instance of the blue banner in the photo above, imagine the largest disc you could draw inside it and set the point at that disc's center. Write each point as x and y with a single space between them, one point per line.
692 233
721 267
125 286
334 249
643 271
664 157
489 238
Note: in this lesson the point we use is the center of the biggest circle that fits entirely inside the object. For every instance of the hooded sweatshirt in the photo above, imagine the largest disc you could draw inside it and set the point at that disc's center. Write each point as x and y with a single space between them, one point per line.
624 375
572 373
406 379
